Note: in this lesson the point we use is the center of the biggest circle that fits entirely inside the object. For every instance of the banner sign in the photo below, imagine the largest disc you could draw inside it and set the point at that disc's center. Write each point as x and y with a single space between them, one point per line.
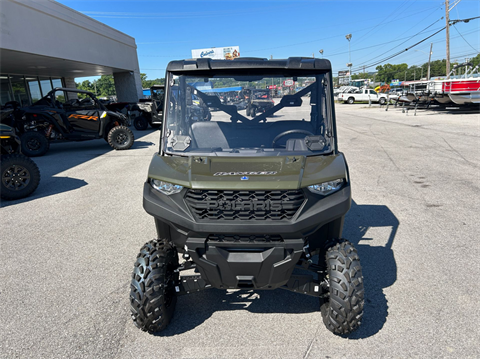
218 53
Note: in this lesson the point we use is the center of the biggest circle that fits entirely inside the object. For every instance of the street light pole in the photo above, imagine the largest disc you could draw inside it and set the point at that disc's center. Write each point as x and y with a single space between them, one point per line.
349 37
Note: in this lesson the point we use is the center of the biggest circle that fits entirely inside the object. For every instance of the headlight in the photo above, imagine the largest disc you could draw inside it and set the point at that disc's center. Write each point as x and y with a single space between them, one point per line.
165 187
326 188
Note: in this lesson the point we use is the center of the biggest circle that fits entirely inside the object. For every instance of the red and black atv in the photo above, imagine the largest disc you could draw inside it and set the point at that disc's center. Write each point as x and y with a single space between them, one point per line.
69 115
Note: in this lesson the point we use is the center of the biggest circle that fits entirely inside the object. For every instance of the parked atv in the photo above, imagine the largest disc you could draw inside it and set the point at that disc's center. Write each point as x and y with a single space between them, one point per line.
259 101
20 175
70 115
151 110
246 201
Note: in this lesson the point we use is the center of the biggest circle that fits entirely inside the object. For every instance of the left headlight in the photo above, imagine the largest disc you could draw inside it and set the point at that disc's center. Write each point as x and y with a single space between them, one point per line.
327 188
165 187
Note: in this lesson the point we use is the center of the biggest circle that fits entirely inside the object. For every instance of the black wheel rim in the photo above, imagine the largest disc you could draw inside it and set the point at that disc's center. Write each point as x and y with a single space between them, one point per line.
33 144
16 177
121 139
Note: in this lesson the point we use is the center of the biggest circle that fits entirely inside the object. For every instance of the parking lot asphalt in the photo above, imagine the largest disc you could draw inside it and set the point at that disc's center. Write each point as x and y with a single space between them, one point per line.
67 253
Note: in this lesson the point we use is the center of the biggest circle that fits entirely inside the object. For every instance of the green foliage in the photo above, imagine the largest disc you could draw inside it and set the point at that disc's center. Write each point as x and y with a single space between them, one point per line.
146 84
103 87
476 60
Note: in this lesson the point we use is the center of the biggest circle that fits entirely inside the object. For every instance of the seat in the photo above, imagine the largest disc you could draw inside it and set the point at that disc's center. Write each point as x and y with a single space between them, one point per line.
210 134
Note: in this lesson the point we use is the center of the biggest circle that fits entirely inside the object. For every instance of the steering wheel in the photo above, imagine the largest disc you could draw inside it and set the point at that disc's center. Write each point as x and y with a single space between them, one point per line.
289 132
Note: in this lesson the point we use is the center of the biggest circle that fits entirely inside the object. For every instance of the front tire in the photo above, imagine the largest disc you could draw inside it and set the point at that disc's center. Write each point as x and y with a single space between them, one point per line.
34 144
20 176
342 311
140 123
120 138
152 295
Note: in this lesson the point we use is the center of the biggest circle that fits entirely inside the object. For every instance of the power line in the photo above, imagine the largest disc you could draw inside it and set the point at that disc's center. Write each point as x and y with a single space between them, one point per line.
334 36
464 38
410 47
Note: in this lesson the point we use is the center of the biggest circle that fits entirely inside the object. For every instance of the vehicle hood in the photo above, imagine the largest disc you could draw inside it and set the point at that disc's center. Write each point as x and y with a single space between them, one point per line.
249 173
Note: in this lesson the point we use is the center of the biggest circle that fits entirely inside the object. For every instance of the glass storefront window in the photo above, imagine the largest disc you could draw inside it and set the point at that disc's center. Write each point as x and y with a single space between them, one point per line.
5 95
19 91
34 87
46 85
57 83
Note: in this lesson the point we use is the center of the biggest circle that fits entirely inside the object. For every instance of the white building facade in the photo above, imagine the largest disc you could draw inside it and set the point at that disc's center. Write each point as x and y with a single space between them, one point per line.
44 44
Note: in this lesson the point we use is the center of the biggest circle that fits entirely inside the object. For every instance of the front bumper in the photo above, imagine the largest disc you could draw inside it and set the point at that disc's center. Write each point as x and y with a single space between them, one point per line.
315 212
262 264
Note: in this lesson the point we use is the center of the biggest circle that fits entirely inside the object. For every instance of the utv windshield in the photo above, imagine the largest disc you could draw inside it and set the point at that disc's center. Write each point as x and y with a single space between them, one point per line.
248 116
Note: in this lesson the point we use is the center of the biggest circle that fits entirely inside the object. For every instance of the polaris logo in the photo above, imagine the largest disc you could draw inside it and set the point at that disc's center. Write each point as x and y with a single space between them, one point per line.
245 206
263 173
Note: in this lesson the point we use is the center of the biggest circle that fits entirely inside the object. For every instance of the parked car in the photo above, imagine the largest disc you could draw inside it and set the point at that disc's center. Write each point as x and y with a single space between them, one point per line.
66 114
363 95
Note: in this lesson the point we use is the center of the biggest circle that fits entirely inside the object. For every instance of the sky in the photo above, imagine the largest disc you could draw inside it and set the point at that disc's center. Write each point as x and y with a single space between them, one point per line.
168 30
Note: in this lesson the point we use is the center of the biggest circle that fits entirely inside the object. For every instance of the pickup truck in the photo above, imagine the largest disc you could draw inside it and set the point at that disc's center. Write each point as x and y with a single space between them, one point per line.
363 95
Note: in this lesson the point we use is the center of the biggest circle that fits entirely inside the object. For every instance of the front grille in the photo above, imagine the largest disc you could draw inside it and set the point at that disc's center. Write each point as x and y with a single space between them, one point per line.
244 205
247 238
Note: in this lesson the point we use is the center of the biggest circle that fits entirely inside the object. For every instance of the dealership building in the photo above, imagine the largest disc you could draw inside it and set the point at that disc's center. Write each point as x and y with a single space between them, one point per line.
44 44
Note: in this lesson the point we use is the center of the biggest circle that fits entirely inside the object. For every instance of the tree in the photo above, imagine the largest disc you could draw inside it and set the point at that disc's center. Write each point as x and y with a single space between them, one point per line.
476 60
103 87
146 84
86 86
106 86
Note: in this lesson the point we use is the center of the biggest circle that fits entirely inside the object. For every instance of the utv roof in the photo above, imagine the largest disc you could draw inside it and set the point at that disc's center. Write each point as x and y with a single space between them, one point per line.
246 63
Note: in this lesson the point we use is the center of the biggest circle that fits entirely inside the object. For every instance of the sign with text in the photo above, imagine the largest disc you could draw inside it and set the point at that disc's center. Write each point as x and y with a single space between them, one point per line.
218 53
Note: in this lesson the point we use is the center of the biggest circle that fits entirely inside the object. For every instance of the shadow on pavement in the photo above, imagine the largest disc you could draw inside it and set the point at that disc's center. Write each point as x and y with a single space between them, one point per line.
379 271
372 229
63 156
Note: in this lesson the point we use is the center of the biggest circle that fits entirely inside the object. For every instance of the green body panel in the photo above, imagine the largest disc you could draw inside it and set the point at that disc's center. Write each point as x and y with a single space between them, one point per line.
292 172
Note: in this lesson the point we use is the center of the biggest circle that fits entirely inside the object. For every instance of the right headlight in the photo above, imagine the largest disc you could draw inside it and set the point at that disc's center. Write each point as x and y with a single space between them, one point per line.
165 187
327 188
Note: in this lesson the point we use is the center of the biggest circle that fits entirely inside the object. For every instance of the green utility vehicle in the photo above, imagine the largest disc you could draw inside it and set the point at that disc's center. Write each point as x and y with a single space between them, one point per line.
151 110
20 175
246 201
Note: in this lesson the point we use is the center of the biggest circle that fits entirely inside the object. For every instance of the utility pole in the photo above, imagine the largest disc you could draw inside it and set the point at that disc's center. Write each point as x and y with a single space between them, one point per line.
429 58
447 18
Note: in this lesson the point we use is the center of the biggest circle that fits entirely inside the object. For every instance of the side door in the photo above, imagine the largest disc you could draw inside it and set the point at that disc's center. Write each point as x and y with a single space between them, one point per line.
83 112
374 97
